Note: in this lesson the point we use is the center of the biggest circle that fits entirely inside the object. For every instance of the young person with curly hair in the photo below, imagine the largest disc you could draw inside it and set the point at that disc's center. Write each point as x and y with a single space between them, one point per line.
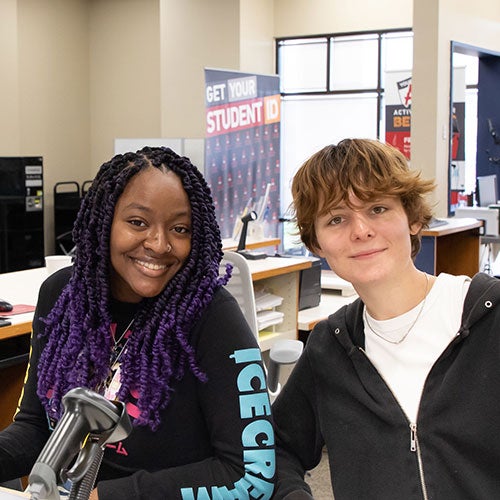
142 316
400 386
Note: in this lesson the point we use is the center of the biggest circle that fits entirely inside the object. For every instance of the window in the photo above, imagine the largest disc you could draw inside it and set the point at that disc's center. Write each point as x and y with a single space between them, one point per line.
354 62
339 85
332 88
303 65
470 63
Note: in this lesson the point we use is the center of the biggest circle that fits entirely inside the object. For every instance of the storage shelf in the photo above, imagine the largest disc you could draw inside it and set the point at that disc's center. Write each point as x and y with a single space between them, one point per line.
280 276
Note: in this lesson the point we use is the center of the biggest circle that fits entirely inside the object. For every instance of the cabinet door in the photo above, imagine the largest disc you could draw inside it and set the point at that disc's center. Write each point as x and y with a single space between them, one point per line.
426 258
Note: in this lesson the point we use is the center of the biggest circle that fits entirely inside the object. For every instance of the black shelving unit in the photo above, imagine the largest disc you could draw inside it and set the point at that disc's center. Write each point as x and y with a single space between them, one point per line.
21 213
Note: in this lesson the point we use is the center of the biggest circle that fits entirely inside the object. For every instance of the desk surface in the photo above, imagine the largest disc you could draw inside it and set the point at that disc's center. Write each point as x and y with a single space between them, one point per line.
7 494
22 287
331 301
453 225
230 244
275 266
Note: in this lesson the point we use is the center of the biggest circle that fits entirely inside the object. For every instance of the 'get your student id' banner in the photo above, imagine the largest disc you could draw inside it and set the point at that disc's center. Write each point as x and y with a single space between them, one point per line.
242 146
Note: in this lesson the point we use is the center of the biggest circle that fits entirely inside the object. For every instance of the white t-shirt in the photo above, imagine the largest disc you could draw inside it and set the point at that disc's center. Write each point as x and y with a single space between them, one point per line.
405 366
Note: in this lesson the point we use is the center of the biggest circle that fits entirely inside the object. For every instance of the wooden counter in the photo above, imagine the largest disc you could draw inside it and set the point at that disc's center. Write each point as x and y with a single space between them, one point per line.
451 248
230 244
275 266
19 287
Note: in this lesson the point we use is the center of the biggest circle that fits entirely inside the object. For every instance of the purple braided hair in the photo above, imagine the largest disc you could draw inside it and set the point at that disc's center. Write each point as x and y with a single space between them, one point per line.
77 329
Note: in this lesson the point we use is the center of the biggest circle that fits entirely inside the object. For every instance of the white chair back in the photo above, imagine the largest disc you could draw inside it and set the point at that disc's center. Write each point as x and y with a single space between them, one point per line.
241 287
284 351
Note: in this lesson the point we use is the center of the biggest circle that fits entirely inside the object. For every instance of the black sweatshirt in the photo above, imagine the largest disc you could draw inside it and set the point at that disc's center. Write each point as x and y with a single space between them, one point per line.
336 397
215 438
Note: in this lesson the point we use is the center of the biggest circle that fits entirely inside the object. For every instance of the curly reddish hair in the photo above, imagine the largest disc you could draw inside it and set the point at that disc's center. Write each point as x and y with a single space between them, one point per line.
367 168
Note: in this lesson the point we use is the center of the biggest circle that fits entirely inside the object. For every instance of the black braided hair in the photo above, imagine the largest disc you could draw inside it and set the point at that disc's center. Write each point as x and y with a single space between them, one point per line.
77 329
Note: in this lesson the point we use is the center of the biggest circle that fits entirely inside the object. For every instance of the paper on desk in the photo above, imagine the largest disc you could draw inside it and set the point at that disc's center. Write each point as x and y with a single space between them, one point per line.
264 300
269 318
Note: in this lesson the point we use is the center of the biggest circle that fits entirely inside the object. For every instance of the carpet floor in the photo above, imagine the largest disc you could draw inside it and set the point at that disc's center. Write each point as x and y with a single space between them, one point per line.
319 480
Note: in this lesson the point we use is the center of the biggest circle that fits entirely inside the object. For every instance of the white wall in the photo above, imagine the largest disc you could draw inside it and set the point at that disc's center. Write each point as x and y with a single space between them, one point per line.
256 37
309 17
9 83
194 34
124 54
78 74
44 89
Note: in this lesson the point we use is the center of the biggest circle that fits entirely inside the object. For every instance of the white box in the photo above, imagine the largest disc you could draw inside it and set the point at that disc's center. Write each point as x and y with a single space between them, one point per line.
489 215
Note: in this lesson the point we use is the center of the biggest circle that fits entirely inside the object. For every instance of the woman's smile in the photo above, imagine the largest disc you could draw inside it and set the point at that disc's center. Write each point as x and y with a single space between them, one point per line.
150 265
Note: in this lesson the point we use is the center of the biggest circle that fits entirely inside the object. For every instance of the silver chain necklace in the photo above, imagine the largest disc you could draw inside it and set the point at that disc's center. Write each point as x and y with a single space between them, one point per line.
124 332
395 342
117 351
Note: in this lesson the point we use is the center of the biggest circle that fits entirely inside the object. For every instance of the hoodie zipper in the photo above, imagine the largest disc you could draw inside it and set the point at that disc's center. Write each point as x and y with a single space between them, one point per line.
415 448
414 445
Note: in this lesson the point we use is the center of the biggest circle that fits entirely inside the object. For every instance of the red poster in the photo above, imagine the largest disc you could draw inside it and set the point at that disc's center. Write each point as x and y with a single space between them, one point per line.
398 111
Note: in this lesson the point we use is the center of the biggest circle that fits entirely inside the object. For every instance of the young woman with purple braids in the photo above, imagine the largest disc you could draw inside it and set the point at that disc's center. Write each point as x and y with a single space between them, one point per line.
142 316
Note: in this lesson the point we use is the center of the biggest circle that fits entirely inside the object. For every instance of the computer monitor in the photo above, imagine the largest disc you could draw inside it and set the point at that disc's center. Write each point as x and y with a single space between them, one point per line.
291 243
487 190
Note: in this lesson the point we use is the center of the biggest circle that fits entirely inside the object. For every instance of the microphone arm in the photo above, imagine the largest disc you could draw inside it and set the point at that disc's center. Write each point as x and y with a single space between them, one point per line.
243 238
88 418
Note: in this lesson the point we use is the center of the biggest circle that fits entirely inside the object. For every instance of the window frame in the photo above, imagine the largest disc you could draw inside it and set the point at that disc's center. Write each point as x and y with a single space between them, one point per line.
331 37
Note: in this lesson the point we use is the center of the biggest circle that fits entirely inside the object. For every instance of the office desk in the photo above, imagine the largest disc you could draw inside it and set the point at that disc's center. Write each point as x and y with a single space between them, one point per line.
451 248
20 287
6 494
251 244
331 301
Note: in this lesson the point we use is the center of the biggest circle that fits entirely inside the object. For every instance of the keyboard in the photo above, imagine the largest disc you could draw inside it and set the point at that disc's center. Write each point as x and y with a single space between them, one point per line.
437 222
